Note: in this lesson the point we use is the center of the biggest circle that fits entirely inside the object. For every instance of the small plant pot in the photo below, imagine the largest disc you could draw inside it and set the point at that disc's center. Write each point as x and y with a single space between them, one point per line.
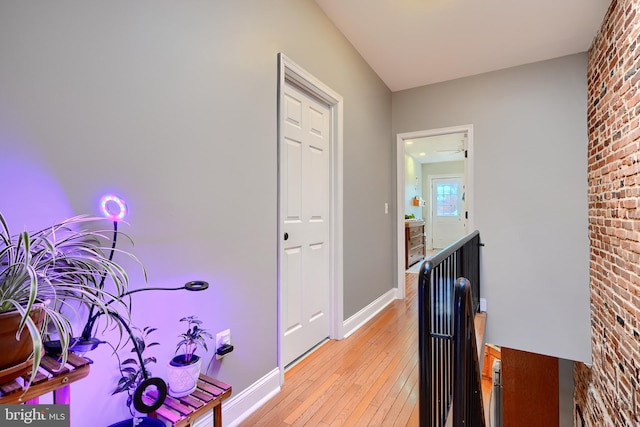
183 377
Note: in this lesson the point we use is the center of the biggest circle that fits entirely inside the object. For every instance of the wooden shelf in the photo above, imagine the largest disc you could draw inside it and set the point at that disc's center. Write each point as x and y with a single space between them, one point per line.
182 411
48 379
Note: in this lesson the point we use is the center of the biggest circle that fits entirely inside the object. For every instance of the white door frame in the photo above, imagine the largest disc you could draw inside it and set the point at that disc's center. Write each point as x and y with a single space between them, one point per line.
400 200
290 72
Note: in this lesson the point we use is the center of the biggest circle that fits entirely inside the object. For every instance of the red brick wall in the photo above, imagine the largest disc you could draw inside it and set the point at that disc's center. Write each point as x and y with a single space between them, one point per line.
607 393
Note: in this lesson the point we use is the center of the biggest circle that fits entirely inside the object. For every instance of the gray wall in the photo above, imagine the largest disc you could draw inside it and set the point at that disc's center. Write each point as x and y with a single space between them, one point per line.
173 106
530 180
412 179
565 392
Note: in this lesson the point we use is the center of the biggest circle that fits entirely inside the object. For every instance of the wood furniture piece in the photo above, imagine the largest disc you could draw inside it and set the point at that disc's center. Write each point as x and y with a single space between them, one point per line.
182 411
48 379
529 389
413 242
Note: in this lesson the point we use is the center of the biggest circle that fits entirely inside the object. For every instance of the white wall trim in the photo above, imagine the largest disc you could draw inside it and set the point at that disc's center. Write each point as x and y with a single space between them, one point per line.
238 407
356 321
400 201
400 204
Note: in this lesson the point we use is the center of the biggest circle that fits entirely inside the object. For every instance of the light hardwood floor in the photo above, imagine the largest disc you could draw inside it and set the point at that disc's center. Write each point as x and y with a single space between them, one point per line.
368 379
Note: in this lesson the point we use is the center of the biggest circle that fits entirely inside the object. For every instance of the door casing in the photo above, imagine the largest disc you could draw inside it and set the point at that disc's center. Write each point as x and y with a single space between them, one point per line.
400 195
290 72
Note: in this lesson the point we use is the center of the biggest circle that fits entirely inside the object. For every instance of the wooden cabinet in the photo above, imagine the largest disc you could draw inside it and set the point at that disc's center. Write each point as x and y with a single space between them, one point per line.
413 242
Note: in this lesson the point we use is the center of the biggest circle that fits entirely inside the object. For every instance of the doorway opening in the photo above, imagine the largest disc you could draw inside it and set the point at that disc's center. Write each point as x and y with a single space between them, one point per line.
420 157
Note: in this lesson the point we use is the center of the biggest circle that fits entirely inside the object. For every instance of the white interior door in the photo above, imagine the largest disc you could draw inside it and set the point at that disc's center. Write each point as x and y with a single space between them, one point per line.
305 227
448 222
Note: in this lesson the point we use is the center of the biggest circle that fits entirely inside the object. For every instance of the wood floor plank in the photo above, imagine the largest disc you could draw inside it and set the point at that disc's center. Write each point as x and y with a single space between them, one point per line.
368 379
311 400
365 419
404 416
414 419
394 394
397 403
375 388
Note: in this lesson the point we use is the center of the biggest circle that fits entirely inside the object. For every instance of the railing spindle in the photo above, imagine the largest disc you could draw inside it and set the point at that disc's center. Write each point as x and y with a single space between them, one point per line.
438 358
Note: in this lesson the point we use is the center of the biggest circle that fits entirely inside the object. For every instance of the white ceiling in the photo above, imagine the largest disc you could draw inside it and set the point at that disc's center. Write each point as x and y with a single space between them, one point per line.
434 149
411 43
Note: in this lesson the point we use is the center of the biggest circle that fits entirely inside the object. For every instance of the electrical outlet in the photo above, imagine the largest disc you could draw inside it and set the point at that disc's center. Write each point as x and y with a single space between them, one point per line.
222 338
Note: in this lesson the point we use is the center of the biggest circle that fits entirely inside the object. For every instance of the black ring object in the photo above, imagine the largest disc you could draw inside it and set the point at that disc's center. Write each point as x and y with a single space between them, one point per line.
142 387
196 285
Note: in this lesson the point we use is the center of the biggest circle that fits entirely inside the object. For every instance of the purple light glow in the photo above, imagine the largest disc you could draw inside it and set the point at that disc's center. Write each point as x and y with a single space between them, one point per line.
22 204
113 207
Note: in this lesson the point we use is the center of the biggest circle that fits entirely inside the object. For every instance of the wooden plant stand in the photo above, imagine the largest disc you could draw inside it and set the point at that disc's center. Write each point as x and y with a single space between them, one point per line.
182 411
48 379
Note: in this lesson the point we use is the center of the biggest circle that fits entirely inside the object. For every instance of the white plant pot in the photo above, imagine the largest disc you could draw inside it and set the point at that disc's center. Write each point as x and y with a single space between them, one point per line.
183 380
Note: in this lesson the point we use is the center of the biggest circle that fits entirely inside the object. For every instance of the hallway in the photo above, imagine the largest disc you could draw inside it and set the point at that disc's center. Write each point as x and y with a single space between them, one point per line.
369 379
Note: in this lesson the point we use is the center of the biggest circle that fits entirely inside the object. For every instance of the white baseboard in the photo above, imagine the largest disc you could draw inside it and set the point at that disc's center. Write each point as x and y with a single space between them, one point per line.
356 321
238 407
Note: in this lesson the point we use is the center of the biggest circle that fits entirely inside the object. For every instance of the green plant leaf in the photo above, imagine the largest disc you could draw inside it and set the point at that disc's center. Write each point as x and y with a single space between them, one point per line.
62 267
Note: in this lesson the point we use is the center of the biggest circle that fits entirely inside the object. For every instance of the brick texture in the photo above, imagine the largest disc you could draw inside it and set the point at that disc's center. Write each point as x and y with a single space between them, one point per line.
606 393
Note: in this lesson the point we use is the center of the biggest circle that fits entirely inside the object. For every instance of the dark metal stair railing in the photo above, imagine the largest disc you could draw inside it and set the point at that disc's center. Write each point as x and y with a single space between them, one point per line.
468 408
435 308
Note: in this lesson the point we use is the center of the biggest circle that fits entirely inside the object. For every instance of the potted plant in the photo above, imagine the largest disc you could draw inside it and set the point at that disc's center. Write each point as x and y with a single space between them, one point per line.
184 369
135 374
45 277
